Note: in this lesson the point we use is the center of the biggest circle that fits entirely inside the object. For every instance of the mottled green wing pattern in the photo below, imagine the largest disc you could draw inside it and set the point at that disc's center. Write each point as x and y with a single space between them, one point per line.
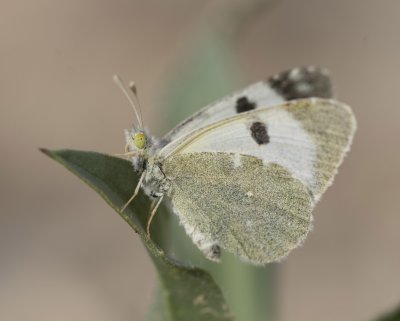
256 211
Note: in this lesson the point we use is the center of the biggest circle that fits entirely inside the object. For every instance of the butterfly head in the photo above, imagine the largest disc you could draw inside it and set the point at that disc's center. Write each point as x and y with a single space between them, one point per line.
138 145
139 140
136 141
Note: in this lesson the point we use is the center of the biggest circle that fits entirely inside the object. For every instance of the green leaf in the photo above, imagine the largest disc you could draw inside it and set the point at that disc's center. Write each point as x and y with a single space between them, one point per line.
186 293
393 316
156 311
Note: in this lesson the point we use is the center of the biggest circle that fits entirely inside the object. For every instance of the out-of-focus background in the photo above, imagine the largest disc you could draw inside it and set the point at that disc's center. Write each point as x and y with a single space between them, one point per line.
65 255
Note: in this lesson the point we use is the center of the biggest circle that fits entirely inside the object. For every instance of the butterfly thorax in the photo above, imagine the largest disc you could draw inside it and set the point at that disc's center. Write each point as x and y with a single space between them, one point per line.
155 183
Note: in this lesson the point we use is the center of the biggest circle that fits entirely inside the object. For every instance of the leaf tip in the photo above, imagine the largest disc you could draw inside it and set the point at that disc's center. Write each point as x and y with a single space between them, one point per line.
44 150
48 152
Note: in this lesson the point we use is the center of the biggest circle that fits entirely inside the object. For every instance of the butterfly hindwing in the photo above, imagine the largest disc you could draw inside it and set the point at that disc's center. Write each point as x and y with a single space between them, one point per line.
257 212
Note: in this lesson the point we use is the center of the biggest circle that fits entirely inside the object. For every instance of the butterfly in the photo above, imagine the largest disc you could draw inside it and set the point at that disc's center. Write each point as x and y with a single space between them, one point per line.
244 173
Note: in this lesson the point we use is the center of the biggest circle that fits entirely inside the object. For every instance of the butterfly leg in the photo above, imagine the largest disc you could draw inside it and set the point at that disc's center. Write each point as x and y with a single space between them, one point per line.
135 193
153 212
127 154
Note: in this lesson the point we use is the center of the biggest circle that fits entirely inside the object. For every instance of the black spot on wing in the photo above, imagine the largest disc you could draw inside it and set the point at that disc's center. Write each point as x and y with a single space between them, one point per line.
259 133
243 105
302 82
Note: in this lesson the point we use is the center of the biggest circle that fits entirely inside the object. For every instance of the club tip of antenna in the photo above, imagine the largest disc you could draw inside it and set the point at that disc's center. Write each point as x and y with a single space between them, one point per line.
116 79
133 87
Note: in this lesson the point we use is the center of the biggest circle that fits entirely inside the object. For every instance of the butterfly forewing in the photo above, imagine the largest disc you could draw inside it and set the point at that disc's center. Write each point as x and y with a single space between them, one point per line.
292 84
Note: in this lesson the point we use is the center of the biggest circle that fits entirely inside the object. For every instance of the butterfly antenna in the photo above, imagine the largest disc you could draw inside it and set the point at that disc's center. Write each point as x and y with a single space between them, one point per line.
132 98
133 88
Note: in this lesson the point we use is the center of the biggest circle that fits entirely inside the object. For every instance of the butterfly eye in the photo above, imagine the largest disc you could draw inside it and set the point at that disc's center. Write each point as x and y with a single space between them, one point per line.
140 140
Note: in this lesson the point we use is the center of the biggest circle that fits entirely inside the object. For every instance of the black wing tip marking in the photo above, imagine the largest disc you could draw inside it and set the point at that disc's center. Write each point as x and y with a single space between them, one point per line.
303 82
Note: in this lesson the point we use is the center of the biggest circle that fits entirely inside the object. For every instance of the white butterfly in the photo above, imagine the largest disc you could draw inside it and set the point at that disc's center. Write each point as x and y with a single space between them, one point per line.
244 173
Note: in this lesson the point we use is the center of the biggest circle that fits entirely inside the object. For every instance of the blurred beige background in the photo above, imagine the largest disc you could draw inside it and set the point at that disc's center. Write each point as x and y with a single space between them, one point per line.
65 255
